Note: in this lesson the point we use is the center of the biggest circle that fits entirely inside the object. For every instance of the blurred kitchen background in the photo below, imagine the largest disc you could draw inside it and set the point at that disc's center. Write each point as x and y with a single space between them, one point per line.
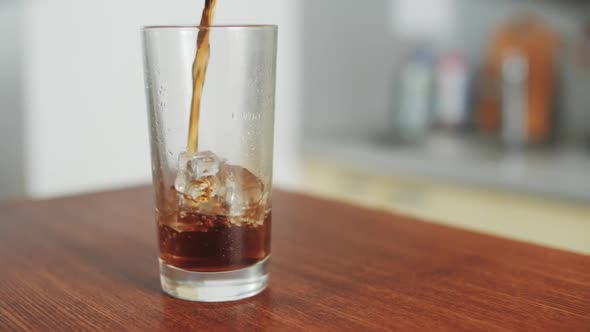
473 113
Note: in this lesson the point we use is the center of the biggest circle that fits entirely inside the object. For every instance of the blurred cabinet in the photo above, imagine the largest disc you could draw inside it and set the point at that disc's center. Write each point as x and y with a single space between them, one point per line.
520 49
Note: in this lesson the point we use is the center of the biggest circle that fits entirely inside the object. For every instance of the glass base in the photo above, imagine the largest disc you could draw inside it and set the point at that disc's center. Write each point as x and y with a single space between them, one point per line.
214 286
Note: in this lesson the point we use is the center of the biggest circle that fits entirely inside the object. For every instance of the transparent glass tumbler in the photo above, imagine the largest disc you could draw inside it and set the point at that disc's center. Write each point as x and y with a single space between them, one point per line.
212 188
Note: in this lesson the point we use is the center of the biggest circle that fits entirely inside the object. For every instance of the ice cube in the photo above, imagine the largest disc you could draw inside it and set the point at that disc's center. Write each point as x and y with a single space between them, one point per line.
242 192
199 164
198 176
208 185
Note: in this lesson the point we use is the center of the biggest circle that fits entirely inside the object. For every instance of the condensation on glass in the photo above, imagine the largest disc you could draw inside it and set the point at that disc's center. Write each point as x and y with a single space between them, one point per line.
213 203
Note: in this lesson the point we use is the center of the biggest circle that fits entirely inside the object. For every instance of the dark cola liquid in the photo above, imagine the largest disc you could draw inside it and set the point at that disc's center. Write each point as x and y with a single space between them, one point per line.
203 243
200 65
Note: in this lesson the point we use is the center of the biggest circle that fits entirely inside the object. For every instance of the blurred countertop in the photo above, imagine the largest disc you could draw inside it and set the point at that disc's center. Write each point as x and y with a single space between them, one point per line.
554 222
562 171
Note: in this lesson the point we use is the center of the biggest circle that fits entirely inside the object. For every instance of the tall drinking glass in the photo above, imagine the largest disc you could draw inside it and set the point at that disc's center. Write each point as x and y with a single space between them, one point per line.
212 188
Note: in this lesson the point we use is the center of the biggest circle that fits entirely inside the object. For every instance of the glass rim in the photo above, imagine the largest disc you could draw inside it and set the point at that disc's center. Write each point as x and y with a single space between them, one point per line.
212 27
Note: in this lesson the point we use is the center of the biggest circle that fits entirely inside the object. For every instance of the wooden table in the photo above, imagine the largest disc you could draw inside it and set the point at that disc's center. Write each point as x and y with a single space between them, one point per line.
89 262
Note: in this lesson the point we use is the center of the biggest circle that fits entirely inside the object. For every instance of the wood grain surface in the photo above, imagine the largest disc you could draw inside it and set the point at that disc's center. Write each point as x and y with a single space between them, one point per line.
89 263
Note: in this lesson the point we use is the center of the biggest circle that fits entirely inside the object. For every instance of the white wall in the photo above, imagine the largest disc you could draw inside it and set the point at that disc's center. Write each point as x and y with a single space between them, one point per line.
86 123
349 57
11 117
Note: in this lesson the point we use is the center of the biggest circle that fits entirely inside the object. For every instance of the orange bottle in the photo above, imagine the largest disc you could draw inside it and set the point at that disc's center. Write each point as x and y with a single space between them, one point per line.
537 44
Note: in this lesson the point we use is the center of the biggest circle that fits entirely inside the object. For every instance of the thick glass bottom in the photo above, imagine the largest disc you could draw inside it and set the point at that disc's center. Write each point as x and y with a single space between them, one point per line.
214 286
